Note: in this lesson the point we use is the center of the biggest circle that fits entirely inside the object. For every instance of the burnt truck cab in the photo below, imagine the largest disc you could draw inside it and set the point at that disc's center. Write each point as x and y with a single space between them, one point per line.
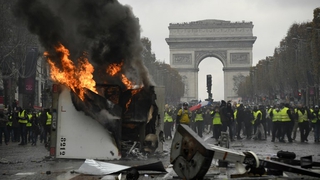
107 124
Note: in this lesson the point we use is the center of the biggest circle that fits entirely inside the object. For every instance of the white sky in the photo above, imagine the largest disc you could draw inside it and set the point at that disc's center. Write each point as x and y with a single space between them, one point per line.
271 19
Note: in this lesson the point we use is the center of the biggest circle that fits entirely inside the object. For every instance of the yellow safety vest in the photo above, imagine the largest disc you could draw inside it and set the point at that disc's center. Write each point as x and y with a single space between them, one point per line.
22 118
184 119
9 123
29 123
49 118
255 115
284 116
167 117
216 118
314 120
302 117
276 115
198 117
38 114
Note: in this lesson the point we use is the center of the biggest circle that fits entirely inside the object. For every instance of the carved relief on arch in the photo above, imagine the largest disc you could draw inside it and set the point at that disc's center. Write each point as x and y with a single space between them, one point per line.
221 55
239 58
182 59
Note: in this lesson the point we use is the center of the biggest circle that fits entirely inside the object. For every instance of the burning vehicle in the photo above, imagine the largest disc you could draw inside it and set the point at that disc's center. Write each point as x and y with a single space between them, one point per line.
94 52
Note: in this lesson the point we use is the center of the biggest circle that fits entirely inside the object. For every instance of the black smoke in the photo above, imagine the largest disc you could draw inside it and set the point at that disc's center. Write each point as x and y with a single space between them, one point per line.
106 29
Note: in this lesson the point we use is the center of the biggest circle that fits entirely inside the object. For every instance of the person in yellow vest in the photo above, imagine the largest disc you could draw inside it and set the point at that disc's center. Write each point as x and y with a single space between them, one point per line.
168 122
260 133
315 123
216 123
199 122
184 115
23 120
303 114
47 127
28 126
275 116
286 123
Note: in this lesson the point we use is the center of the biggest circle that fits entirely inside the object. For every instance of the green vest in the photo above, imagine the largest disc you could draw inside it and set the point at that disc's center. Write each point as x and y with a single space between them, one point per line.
49 118
22 118
9 123
255 115
29 123
276 115
284 116
302 117
198 117
314 119
167 117
216 118
38 114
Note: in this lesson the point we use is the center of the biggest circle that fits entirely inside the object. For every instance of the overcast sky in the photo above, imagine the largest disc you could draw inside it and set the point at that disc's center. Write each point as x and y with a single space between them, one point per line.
271 19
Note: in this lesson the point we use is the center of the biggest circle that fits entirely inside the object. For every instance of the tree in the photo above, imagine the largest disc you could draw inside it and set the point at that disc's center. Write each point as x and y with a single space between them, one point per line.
162 74
15 44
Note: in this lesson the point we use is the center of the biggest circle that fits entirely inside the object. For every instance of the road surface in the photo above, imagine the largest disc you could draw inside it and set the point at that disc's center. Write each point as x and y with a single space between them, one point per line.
31 162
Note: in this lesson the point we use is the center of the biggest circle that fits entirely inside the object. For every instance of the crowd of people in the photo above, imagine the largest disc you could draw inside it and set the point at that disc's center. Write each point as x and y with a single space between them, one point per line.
280 122
24 126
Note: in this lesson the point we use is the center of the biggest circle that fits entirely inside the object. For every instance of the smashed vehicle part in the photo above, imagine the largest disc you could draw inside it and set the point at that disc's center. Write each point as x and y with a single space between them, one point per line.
286 155
125 116
93 167
79 136
133 174
151 143
304 162
224 140
191 157
131 149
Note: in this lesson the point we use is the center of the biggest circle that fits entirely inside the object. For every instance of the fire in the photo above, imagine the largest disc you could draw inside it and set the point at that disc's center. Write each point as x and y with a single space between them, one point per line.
133 92
76 77
115 69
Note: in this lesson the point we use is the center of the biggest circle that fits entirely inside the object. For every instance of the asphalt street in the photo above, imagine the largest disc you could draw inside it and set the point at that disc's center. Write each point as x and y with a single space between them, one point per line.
32 162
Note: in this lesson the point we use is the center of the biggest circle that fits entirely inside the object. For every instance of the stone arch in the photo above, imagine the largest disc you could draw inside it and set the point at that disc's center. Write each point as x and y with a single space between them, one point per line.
230 42
201 55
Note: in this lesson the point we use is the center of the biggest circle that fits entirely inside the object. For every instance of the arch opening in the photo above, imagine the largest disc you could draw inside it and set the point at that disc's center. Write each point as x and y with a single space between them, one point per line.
213 66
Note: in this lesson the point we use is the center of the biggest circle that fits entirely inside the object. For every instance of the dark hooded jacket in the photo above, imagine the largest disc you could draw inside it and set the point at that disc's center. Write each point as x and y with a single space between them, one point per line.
227 114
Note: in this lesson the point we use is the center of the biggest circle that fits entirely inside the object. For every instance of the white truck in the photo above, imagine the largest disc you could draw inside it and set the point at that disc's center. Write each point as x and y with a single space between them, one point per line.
77 133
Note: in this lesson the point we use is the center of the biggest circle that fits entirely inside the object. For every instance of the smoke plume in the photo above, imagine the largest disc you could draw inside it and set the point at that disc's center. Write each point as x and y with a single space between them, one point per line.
106 29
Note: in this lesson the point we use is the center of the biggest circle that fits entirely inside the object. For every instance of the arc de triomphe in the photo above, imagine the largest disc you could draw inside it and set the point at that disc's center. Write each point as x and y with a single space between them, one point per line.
230 42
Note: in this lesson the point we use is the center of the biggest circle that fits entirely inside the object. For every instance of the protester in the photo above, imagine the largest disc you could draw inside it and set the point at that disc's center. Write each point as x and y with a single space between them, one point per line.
3 127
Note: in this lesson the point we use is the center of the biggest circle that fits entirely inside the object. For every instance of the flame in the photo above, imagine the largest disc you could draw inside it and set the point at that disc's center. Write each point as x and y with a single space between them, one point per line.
133 92
77 78
114 69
